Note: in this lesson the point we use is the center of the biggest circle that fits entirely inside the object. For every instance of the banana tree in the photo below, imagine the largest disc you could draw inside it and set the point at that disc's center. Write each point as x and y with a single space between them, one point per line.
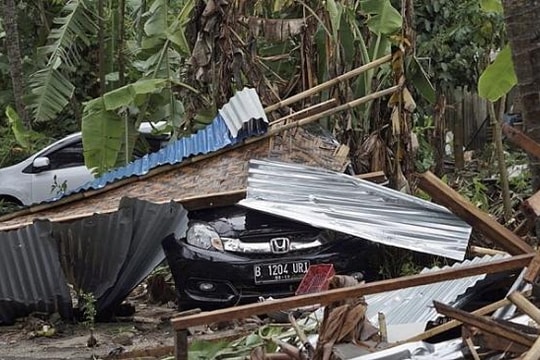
50 86
109 122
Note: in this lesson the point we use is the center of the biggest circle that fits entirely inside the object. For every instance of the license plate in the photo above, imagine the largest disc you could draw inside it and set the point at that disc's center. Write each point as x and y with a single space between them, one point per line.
280 271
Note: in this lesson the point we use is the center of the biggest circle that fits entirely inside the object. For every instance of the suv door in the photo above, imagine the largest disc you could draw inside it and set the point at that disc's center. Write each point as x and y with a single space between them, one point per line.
67 164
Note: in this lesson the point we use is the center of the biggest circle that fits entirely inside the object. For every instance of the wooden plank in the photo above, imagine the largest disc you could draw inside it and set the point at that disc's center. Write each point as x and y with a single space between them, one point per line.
531 206
446 196
493 342
181 345
488 309
534 352
327 297
484 324
376 176
530 146
525 305
533 270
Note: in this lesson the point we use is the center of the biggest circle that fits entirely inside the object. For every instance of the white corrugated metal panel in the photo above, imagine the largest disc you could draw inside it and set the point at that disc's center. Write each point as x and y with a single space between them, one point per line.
327 199
415 304
242 107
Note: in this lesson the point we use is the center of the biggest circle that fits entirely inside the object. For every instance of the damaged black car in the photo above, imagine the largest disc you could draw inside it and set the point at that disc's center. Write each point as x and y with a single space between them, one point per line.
234 255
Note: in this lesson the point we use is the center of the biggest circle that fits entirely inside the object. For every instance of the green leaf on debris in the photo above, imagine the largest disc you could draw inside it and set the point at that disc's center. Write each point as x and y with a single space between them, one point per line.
499 77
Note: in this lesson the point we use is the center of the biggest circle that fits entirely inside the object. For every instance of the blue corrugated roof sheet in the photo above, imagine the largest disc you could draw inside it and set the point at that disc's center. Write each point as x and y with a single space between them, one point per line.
216 136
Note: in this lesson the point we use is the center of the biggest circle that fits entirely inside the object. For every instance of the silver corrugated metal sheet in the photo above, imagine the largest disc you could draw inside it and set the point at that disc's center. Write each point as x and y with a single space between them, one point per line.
244 119
415 304
106 255
419 350
31 278
326 199
244 105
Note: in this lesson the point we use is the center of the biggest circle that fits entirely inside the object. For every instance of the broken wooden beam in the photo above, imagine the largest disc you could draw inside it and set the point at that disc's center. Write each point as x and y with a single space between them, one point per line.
485 324
531 206
493 342
533 270
448 197
530 146
534 352
525 305
327 297
488 309
376 177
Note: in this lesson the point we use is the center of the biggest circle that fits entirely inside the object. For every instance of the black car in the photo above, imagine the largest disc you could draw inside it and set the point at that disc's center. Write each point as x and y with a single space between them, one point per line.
234 255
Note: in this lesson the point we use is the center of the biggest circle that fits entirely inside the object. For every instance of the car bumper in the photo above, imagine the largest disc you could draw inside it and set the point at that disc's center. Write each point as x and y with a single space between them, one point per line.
211 279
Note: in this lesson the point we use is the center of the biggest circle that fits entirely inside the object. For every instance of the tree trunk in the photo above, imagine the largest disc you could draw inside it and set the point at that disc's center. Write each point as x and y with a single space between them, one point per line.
9 17
521 17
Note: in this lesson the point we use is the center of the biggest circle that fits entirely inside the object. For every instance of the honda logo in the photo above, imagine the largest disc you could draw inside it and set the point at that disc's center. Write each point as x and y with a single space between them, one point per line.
280 245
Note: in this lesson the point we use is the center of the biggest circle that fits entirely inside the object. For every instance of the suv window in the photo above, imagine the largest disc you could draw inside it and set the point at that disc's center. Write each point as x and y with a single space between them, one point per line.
66 157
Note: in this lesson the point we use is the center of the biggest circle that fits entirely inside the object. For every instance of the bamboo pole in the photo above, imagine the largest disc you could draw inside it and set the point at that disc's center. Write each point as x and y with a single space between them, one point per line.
525 305
329 83
325 105
347 106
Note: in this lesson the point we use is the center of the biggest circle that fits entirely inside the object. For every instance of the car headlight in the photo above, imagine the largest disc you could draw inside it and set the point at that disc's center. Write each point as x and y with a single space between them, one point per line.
203 236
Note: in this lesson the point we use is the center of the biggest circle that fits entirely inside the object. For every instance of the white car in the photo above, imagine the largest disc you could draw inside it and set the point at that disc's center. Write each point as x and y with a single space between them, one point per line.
56 169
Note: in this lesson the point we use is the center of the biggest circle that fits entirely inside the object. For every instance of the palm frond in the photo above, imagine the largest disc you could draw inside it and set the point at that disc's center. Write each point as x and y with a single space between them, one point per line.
74 29
50 88
50 92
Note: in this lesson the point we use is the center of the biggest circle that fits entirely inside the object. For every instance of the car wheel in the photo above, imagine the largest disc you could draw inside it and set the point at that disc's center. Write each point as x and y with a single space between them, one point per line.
9 205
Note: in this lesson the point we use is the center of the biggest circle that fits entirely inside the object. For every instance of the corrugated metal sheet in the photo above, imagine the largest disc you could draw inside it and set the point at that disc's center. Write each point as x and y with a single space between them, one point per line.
244 118
419 350
106 255
244 105
31 278
415 304
327 199
93 250
152 223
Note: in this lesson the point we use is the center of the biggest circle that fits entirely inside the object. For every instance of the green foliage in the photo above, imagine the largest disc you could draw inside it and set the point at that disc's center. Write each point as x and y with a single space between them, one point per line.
455 37
88 307
499 77
383 18
50 87
491 5
425 157
27 139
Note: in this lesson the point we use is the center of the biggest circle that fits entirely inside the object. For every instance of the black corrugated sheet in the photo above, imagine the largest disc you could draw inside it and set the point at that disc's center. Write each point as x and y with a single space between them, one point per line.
31 278
106 255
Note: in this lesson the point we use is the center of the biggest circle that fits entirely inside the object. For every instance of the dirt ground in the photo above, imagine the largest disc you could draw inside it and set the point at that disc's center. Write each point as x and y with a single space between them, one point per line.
149 328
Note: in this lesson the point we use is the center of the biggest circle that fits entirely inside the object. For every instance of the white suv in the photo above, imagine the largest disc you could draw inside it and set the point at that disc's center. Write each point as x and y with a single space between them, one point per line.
42 175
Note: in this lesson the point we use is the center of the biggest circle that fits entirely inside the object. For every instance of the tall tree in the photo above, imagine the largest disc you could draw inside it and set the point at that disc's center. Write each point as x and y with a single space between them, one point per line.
9 17
521 19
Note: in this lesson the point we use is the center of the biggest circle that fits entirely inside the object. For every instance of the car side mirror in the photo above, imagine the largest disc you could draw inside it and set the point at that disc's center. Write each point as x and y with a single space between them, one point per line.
41 163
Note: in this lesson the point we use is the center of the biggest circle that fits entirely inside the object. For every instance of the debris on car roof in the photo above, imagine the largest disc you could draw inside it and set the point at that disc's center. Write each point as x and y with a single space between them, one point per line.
356 207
